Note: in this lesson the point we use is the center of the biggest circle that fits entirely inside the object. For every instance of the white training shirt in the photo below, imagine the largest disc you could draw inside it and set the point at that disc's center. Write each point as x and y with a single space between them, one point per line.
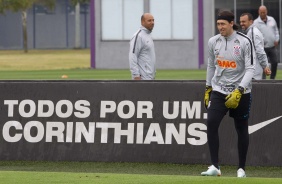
257 38
142 58
269 30
231 63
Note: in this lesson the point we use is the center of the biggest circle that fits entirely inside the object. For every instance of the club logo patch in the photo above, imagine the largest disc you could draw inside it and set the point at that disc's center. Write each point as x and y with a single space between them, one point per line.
236 50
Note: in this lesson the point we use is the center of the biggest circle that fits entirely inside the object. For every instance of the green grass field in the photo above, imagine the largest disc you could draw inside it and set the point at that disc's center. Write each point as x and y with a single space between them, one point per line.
100 172
75 64
52 65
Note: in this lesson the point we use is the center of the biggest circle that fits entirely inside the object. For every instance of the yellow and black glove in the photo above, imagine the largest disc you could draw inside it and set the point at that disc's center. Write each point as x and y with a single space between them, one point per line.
233 99
207 96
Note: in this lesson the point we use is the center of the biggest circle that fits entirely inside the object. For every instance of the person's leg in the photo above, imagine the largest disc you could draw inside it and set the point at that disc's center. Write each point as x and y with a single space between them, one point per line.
263 75
243 140
213 122
216 112
273 70
241 116
274 62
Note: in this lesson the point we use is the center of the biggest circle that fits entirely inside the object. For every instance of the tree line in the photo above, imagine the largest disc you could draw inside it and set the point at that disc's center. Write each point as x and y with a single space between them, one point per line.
24 5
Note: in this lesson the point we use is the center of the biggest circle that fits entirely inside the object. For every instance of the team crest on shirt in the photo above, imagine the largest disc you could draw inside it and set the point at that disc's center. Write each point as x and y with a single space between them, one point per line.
237 50
236 41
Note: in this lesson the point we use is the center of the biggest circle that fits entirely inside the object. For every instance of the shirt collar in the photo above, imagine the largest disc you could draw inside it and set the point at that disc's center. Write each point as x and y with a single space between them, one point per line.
233 35
250 27
145 29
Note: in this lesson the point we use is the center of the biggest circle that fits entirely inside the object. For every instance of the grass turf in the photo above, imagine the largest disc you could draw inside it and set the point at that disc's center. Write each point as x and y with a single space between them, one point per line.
91 74
101 172
105 178
75 64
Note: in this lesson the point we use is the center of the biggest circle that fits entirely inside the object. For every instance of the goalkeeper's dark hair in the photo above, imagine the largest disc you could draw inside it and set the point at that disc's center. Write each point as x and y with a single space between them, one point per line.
227 15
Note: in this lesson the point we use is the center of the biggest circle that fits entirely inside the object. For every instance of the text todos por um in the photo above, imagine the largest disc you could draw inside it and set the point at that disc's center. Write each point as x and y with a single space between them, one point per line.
81 109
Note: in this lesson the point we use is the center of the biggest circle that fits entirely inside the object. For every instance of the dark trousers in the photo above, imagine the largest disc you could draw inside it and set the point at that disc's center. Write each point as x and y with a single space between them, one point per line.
273 60
241 126
216 112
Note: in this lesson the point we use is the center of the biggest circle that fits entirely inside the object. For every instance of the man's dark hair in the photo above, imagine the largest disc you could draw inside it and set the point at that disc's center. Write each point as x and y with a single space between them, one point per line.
250 16
225 15
228 16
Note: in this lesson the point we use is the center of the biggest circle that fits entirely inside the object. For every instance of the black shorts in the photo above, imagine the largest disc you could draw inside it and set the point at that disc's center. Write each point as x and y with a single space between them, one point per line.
217 102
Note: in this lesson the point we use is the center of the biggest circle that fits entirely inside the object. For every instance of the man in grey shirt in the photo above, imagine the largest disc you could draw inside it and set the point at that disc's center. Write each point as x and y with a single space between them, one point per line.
246 22
230 69
268 27
142 57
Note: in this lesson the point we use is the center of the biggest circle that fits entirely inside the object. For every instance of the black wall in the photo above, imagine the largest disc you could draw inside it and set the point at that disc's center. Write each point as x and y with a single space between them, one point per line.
140 122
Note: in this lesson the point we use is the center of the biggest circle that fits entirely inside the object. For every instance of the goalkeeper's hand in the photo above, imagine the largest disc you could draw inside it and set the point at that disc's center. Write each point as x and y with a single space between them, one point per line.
233 99
207 96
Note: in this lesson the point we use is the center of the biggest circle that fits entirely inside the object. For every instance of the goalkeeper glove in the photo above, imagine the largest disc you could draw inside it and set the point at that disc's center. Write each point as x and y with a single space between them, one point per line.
233 99
207 96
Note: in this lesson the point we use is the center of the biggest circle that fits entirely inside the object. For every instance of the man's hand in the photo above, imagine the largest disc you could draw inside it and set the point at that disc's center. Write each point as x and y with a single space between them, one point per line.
137 78
233 99
207 96
267 71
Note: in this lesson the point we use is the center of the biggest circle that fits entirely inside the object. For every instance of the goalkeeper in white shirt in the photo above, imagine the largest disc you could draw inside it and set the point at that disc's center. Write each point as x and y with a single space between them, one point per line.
230 69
